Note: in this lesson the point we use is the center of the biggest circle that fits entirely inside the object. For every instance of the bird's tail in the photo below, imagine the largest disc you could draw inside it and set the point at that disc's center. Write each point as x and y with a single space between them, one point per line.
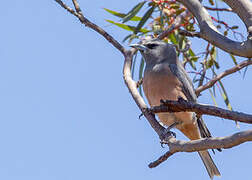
209 164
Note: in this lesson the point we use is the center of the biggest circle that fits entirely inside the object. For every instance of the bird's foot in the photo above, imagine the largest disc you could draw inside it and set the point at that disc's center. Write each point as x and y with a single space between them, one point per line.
168 134
139 83
139 117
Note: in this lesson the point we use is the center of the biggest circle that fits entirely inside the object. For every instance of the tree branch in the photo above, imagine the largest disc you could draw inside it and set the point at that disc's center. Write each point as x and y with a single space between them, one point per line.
218 9
209 32
93 26
77 7
132 86
202 144
182 106
190 34
222 75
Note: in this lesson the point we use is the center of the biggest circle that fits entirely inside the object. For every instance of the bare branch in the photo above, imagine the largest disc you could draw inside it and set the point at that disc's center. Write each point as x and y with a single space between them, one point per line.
190 34
160 159
202 144
218 9
93 26
182 105
222 75
77 7
132 86
67 8
209 32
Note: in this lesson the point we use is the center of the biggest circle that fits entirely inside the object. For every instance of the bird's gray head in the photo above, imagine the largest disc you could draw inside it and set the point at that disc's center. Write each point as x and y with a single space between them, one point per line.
156 51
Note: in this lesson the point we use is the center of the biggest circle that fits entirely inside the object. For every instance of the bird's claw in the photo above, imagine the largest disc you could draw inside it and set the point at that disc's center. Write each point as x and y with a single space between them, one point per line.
169 133
139 117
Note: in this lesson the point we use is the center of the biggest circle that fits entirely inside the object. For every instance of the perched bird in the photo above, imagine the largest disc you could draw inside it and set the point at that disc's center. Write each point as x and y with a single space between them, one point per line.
166 79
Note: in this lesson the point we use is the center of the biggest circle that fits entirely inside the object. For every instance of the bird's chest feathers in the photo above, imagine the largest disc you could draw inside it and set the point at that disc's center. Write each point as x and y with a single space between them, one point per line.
160 83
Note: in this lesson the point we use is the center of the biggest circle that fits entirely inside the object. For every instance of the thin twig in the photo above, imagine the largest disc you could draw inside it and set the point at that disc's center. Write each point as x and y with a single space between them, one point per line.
93 26
77 7
160 159
222 75
190 34
218 9
67 8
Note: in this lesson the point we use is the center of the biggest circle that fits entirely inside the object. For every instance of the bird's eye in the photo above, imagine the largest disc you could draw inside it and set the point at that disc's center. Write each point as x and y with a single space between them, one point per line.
151 46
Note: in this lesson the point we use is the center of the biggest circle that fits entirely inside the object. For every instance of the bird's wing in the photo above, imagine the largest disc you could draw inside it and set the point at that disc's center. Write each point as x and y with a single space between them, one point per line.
187 88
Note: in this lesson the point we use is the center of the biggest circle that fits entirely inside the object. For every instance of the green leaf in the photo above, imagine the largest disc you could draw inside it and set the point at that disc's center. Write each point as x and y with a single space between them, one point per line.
179 11
127 27
192 65
173 38
177 35
175 6
133 12
212 60
213 52
226 100
133 66
209 63
122 15
246 68
144 19
191 52
213 98
234 27
194 58
190 27
233 58
182 42
225 96
216 64
141 68
225 33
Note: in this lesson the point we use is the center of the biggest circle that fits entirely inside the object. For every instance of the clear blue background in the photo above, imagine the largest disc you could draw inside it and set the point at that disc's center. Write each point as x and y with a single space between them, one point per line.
65 113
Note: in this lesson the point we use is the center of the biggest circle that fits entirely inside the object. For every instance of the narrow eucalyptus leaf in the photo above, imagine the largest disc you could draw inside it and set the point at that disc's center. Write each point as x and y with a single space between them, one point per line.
133 12
144 19
141 68
122 15
213 98
127 27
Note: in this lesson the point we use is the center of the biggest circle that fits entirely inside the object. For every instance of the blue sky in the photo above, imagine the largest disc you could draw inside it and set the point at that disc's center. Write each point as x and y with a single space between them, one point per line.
66 114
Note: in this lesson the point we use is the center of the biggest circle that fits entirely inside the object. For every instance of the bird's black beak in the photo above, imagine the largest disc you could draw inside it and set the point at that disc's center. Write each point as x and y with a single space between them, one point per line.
139 47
